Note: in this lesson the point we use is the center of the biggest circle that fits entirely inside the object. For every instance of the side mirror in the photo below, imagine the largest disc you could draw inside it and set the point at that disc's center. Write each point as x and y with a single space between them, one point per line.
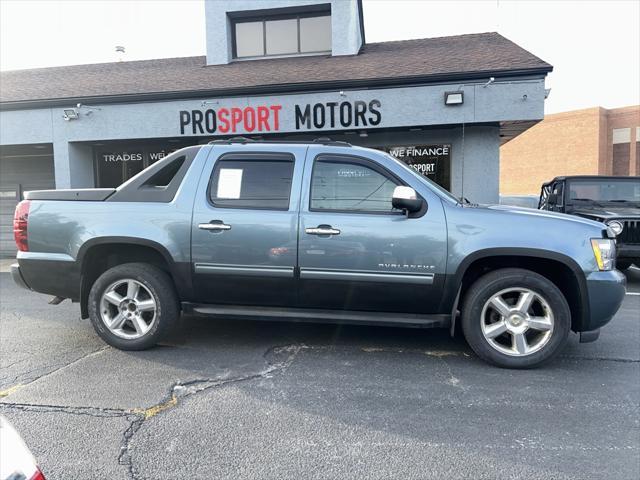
406 198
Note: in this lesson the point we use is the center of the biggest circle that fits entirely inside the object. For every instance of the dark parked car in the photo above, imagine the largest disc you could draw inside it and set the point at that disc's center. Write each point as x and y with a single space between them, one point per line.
614 201
319 231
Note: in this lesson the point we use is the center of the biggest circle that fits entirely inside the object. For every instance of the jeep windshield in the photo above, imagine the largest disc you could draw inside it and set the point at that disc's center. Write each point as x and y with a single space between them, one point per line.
599 191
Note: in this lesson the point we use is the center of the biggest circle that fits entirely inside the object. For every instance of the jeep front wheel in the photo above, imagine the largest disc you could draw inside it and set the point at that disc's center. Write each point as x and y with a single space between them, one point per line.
515 318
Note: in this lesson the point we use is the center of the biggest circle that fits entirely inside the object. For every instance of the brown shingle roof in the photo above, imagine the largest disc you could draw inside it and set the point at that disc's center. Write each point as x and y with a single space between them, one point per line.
393 62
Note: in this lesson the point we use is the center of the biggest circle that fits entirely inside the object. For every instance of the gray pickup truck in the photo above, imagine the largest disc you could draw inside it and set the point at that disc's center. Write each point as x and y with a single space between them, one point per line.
317 231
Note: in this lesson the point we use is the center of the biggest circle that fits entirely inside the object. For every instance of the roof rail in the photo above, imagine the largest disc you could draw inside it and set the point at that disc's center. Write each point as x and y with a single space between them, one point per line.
245 140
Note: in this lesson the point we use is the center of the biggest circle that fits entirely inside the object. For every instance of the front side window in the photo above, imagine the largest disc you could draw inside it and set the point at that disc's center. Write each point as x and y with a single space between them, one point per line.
343 185
290 35
252 183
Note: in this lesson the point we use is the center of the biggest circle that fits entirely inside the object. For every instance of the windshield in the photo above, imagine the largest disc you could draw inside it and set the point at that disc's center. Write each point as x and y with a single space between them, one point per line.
604 190
445 193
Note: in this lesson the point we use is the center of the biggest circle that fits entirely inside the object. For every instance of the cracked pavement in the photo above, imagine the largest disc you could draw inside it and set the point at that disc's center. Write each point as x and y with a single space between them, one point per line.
224 399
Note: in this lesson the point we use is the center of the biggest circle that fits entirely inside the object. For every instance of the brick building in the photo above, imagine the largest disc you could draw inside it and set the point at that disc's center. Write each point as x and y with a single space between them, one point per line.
593 141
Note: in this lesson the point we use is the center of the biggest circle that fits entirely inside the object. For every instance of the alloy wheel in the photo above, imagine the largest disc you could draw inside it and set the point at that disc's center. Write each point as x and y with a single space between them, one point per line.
517 321
128 309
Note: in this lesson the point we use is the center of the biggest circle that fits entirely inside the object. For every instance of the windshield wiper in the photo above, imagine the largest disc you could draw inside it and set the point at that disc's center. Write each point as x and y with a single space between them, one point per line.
632 202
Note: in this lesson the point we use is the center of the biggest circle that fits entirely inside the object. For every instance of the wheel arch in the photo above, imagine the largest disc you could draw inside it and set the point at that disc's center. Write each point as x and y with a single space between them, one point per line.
99 254
560 269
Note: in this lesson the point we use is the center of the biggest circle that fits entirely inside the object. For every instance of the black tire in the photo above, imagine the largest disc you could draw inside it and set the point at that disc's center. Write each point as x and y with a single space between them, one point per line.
491 284
158 284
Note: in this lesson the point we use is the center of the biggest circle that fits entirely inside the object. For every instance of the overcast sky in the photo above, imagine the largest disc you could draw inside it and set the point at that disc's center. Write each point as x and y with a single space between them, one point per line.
594 46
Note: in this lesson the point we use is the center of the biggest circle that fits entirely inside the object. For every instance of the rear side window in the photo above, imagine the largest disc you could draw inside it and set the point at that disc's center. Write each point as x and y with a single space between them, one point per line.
163 177
344 185
257 182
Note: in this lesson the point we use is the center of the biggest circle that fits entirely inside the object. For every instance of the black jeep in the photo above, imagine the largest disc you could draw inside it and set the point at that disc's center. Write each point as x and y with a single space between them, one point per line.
612 200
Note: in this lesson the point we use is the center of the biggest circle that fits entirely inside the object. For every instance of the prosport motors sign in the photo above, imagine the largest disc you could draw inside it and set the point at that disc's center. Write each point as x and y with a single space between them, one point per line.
279 118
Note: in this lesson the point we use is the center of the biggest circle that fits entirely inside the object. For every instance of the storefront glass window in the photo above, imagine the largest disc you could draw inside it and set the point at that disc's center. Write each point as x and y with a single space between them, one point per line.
117 163
431 161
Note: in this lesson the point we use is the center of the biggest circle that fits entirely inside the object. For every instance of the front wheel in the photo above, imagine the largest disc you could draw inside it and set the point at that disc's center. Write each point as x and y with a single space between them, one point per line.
133 306
515 318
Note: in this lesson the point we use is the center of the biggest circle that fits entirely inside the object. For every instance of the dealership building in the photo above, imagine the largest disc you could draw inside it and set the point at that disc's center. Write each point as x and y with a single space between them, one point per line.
301 69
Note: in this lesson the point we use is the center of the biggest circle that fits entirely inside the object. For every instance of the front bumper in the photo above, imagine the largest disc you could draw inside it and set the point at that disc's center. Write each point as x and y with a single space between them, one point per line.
627 250
606 292
16 274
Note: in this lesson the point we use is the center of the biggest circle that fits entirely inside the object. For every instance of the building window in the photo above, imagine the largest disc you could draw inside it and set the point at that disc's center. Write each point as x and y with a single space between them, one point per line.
282 35
249 39
621 155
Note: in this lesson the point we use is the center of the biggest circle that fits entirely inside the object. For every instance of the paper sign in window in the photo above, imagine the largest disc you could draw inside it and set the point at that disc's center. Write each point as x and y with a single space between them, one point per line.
229 183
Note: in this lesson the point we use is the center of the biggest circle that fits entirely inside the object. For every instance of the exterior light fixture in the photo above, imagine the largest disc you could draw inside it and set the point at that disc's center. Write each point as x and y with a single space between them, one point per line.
74 113
363 133
70 114
209 102
453 98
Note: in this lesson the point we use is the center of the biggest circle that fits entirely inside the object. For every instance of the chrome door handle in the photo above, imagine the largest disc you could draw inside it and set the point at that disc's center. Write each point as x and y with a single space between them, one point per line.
214 226
322 230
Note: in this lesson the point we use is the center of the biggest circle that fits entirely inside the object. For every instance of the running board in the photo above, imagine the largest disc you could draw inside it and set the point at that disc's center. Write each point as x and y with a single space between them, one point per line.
318 316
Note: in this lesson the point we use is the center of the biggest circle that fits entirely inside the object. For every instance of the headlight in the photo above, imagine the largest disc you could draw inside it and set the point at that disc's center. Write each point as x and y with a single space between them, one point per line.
615 226
604 249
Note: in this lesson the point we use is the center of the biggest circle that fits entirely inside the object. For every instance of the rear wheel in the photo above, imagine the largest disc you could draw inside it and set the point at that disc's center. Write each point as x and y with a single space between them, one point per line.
133 306
515 318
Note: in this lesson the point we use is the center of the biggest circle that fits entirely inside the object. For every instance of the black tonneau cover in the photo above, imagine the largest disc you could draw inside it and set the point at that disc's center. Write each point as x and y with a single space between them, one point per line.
81 194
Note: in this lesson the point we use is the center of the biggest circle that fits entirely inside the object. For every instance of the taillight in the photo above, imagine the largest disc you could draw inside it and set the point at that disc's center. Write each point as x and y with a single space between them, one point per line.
38 475
20 222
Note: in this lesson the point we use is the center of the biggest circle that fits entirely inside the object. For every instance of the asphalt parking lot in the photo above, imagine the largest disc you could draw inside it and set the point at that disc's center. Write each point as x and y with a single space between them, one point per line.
275 400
